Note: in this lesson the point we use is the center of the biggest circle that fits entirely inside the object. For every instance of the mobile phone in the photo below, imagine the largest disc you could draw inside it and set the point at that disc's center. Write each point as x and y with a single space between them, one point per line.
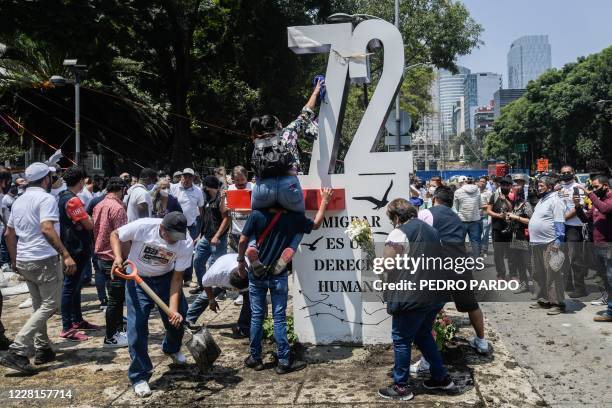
576 192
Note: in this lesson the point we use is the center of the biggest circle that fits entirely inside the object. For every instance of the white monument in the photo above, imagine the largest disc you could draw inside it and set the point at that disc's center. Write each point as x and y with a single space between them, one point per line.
332 301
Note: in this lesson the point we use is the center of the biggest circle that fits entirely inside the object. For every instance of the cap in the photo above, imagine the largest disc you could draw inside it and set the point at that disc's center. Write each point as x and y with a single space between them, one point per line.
188 171
505 180
177 173
462 179
36 171
519 177
176 225
211 182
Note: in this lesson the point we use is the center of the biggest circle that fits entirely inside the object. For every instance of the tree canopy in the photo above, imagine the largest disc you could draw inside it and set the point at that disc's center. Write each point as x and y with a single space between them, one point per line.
172 83
565 115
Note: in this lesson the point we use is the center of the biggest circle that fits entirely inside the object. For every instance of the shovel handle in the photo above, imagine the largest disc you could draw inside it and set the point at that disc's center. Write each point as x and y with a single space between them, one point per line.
155 298
135 277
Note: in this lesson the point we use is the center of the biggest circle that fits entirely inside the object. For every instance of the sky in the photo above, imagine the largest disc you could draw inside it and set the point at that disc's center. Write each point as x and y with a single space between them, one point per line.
574 28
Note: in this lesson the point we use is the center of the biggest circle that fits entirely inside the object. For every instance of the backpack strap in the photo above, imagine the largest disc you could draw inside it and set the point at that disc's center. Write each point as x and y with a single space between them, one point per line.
268 228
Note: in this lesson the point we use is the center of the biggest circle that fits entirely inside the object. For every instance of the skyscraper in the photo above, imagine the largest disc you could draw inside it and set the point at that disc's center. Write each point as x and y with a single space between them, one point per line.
479 90
451 88
528 58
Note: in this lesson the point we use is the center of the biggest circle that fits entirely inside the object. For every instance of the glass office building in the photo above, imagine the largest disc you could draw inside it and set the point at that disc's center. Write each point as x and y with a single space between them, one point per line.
479 90
451 89
528 58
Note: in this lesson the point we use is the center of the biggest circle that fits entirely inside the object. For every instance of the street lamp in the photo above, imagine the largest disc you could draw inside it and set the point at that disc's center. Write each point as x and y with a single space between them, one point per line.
79 71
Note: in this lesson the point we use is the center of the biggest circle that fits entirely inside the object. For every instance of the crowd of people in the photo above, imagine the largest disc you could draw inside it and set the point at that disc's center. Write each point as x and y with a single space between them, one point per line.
546 231
177 230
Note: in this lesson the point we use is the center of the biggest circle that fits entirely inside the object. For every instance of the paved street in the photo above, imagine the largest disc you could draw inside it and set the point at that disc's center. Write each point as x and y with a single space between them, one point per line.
565 357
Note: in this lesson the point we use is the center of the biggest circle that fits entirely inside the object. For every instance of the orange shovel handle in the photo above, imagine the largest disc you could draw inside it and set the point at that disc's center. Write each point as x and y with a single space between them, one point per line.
127 276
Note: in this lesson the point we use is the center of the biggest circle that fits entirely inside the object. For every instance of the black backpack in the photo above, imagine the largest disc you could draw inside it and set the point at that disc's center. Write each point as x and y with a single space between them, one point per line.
271 158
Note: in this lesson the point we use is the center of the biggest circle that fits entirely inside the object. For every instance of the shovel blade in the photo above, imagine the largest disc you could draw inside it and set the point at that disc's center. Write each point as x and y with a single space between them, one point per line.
204 349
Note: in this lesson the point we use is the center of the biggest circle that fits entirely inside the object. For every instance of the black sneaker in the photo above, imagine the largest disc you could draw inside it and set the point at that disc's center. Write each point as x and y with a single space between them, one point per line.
577 294
238 333
44 356
4 342
256 365
396 392
295 365
195 291
18 363
445 384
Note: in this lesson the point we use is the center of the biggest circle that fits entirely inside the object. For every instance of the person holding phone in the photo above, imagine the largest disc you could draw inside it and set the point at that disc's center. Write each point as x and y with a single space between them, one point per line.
574 269
600 214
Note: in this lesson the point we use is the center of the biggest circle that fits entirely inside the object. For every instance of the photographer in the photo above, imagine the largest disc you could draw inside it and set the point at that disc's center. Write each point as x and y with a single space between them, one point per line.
499 205
518 219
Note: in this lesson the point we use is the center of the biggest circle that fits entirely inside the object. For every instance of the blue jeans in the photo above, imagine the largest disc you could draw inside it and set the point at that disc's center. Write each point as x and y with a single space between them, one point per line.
258 288
415 327
199 305
486 230
194 231
473 230
604 256
284 191
86 275
139 307
203 251
100 279
71 294
4 254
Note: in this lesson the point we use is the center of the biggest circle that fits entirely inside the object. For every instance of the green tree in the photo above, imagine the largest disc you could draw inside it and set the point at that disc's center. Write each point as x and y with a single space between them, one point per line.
560 116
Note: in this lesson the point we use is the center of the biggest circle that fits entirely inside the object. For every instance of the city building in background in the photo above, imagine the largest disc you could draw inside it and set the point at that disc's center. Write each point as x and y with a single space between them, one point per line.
451 88
479 90
426 140
484 116
528 58
458 116
503 97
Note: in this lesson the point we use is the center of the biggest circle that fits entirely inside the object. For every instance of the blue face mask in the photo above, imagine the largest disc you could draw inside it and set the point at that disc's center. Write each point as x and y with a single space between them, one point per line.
416 201
150 187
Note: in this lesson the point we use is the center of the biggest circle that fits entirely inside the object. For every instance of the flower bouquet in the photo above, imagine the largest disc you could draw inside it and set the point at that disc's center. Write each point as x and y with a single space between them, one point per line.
360 232
443 330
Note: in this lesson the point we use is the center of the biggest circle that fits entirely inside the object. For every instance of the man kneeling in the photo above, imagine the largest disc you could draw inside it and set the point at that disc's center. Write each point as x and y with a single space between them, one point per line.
161 250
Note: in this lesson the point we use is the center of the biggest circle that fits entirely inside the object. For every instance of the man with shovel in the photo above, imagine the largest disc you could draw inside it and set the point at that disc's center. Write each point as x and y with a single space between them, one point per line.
161 250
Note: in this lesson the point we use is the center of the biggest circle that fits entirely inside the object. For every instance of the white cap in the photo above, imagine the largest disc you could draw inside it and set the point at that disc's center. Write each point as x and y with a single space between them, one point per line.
36 171
188 171
462 179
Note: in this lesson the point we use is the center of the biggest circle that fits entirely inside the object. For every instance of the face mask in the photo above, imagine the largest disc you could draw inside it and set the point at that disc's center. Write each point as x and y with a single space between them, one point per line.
432 190
567 177
601 193
150 187
164 192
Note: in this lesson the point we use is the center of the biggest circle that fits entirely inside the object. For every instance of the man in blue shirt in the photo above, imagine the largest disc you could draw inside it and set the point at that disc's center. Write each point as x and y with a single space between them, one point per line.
287 226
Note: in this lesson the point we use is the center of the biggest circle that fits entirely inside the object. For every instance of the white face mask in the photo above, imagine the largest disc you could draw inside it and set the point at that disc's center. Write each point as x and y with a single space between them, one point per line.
432 190
164 192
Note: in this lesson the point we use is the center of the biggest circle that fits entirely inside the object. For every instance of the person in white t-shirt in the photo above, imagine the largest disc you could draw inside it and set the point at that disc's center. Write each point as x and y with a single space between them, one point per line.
161 250
34 243
191 199
222 275
86 195
138 199
574 270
